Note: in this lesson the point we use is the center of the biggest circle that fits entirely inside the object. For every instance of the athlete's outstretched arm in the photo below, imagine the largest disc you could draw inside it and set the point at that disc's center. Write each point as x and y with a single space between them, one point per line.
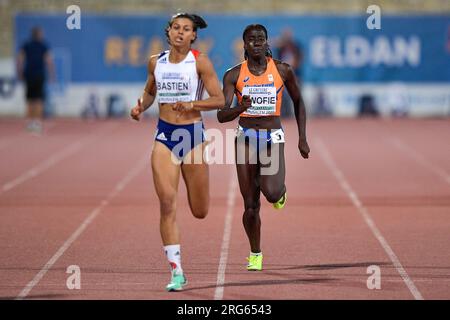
299 106
208 75
229 82
149 94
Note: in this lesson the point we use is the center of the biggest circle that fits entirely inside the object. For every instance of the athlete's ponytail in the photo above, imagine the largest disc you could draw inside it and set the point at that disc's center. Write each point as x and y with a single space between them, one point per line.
199 22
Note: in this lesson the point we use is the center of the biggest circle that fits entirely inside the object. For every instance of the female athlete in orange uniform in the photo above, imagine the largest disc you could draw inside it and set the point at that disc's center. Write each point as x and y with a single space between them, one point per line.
179 76
258 83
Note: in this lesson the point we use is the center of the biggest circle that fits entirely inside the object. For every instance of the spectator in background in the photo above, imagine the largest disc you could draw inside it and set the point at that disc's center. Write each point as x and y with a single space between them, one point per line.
90 110
398 99
289 51
321 104
367 107
34 63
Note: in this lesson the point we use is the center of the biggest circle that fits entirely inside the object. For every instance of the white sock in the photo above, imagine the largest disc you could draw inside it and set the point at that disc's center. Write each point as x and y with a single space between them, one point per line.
255 253
173 254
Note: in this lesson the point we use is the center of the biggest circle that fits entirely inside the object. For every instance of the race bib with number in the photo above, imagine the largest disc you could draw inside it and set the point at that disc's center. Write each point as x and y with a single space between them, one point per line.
174 87
264 100
277 136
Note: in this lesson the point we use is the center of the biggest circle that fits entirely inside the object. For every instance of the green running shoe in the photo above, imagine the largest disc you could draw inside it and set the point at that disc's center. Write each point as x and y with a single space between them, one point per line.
177 282
280 203
254 262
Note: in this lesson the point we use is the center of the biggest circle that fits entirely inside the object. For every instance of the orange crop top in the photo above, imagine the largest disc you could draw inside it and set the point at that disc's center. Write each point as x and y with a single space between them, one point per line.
265 90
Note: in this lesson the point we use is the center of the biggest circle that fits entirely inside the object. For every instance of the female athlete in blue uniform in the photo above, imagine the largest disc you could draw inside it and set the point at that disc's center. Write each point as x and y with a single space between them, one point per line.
178 78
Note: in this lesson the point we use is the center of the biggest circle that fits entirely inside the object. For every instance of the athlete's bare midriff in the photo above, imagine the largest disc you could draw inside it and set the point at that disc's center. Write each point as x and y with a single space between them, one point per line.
167 114
266 122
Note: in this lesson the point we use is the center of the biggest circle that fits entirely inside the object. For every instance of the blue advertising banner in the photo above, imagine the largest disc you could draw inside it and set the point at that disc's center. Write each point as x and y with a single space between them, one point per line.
336 49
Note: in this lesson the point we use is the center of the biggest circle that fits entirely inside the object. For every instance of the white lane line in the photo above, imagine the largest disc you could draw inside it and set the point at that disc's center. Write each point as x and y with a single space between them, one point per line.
231 199
41 167
326 157
93 214
52 160
420 159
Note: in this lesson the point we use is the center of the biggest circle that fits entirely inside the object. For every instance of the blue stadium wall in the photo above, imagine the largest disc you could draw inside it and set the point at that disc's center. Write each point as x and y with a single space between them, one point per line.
341 54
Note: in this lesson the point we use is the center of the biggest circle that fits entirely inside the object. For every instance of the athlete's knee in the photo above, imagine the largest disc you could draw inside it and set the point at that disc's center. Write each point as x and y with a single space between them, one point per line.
252 207
252 204
273 194
200 213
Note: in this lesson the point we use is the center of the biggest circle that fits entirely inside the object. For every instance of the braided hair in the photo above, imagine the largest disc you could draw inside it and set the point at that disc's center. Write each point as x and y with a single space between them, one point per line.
256 27
198 22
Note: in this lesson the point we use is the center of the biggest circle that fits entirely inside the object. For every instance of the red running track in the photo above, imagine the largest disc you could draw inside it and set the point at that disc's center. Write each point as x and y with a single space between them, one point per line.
374 192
